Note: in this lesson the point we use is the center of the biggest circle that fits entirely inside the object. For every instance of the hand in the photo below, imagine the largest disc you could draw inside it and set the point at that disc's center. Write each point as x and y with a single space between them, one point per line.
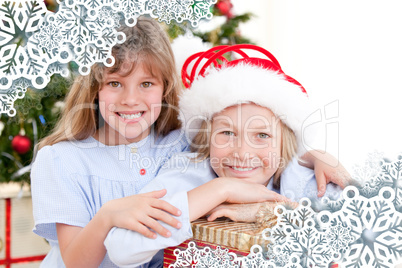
246 191
327 169
140 212
246 212
235 212
231 190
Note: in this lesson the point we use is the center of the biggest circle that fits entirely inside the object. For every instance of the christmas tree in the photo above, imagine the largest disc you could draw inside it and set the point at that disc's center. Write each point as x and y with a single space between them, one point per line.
39 110
226 33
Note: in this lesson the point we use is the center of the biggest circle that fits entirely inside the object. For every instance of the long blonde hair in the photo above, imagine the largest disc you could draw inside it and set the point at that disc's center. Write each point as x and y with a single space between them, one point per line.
146 44
201 145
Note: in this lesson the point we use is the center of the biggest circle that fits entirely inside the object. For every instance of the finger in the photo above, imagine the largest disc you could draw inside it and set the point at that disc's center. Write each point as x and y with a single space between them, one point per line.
344 178
165 217
156 226
156 194
212 217
166 206
219 207
217 214
321 184
140 228
273 196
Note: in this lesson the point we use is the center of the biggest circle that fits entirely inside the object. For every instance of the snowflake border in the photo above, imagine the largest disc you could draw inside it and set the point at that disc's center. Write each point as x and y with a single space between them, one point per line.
362 229
83 31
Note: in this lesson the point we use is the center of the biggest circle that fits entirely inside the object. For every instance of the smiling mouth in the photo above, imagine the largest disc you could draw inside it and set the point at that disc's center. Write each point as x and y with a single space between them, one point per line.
130 116
243 168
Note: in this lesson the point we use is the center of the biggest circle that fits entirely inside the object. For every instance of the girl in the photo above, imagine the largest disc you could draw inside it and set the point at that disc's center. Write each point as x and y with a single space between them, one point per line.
118 128
248 118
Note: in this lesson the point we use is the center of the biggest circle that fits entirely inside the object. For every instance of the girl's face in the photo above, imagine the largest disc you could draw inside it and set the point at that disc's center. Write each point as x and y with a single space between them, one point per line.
129 105
246 143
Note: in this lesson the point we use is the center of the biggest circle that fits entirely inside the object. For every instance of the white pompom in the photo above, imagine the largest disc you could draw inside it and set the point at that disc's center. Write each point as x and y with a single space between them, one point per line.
184 46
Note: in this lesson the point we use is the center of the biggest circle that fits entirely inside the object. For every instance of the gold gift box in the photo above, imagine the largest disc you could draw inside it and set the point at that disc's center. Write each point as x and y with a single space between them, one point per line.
237 237
226 233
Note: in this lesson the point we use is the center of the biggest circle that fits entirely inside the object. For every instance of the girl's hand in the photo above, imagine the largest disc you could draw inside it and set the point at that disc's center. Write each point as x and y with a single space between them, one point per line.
141 213
83 247
327 169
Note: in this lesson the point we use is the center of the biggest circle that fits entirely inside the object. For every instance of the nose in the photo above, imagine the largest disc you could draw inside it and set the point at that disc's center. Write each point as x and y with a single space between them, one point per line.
130 96
243 149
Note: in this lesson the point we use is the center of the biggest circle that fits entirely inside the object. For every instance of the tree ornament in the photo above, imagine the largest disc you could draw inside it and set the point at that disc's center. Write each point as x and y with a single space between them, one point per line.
21 143
225 8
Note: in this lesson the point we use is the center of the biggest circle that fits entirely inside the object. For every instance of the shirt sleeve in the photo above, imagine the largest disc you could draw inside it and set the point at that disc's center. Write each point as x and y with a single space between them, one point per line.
127 248
54 196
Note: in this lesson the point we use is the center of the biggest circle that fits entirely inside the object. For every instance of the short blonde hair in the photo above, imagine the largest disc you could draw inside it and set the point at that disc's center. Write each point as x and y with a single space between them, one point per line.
147 44
201 145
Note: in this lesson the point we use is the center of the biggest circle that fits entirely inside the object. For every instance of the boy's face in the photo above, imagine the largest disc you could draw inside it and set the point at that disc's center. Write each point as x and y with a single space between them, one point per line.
246 143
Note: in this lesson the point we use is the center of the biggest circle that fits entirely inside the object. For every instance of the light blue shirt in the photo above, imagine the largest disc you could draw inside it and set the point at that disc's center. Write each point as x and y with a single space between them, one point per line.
181 174
70 181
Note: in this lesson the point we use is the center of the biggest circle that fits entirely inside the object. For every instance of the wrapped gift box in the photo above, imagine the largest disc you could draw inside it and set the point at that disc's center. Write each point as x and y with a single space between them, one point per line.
236 237
19 246
224 232
222 237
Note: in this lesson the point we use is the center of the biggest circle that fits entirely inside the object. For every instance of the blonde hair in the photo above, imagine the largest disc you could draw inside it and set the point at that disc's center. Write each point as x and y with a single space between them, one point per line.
147 44
201 145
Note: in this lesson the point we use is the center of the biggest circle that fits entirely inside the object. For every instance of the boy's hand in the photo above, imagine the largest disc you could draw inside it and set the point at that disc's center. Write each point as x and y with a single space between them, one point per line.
327 169
235 212
204 198
141 213
246 212
246 191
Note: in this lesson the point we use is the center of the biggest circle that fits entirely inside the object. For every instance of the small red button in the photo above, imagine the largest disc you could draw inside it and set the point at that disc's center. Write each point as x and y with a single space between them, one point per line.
143 171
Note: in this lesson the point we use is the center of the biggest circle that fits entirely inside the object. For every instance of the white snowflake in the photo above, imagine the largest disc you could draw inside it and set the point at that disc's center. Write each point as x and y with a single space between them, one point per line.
196 257
339 237
360 230
215 257
18 59
188 257
83 31
277 255
132 8
376 227
49 37
299 234
391 176
370 169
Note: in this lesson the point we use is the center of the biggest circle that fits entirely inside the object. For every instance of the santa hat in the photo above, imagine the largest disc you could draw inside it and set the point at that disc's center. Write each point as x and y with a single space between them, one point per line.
219 83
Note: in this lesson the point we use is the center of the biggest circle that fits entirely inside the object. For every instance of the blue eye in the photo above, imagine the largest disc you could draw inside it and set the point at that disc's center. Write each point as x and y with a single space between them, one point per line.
146 84
114 84
263 136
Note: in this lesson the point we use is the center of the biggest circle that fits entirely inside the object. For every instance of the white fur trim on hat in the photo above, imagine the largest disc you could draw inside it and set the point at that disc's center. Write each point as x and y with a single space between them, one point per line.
222 88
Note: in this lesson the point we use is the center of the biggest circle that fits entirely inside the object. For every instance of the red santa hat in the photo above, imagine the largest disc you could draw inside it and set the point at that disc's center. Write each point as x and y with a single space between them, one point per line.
215 83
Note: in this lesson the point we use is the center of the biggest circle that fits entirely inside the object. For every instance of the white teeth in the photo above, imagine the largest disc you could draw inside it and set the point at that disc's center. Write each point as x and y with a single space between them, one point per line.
131 116
242 169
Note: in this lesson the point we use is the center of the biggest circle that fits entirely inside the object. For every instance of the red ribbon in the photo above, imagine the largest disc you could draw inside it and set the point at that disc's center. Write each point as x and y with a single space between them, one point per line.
8 259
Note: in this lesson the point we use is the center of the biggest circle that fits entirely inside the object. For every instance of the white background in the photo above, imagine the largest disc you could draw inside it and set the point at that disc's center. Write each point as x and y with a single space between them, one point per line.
348 55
